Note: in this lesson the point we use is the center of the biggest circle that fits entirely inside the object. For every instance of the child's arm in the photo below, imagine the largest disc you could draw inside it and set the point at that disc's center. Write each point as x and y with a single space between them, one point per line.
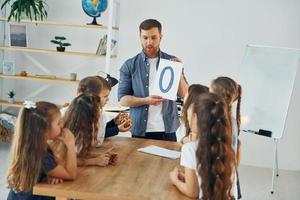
98 159
68 172
111 129
101 160
187 183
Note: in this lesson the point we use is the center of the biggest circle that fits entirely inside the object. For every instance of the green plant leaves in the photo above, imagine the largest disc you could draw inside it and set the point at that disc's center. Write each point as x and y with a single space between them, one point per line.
66 44
33 9
58 40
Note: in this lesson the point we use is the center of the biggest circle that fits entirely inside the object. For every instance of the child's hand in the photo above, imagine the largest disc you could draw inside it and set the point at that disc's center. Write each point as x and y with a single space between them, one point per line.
68 137
123 121
181 177
113 158
177 175
125 126
54 181
102 160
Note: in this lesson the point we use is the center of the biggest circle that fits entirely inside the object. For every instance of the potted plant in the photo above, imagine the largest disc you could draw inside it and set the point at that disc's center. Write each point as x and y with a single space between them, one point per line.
32 9
59 40
11 95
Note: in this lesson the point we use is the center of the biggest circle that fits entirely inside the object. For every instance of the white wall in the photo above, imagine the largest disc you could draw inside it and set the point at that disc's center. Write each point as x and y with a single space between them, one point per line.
1 52
210 37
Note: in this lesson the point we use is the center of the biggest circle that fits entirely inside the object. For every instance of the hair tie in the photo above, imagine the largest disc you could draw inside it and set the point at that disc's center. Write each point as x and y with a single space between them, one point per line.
29 104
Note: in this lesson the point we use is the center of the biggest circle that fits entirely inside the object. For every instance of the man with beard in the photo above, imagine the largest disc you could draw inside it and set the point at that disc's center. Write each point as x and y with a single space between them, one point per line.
153 117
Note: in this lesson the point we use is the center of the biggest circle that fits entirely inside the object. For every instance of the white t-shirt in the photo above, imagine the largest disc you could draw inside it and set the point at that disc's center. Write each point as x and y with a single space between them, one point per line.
188 159
155 118
180 132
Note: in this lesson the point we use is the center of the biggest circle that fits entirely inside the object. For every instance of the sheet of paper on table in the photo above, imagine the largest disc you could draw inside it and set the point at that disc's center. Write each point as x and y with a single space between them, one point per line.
159 151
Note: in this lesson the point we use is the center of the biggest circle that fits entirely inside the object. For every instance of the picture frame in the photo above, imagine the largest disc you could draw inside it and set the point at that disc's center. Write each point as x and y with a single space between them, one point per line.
8 67
18 35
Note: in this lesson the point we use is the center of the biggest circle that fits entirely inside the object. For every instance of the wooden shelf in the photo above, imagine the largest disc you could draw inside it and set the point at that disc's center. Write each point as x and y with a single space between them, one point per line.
60 24
19 104
16 104
34 78
47 51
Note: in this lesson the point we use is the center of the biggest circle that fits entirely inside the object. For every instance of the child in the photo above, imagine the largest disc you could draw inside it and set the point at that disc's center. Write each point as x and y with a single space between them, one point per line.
194 91
31 159
208 162
98 86
82 118
228 89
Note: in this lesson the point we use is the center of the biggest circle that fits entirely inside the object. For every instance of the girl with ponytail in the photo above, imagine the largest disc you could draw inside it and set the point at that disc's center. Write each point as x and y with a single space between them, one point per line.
208 162
31 158
82 118
183 132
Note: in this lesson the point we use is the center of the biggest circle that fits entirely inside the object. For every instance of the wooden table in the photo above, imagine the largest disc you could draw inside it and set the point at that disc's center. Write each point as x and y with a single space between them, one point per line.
136 176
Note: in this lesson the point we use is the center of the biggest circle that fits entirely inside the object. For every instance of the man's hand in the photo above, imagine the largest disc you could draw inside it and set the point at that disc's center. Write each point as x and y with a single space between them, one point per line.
154 100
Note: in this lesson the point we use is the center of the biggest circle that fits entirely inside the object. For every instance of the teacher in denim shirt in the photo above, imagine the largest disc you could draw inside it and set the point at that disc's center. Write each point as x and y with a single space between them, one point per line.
153 117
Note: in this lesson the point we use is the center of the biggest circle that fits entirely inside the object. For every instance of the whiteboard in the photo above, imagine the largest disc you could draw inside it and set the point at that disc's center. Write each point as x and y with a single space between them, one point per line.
267 78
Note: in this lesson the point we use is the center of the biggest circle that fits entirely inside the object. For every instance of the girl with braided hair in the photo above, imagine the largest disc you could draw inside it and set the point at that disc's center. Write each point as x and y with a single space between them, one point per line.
208 162
228 89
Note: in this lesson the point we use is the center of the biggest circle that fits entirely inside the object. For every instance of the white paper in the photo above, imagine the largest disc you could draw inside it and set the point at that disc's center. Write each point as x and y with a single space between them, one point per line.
159 151
167 79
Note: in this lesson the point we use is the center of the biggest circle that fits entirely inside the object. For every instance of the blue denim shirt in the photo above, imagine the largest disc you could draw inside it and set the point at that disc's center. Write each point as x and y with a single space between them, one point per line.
134 81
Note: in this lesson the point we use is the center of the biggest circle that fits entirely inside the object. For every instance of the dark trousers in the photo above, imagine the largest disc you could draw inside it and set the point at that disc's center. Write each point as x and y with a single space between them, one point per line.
158 136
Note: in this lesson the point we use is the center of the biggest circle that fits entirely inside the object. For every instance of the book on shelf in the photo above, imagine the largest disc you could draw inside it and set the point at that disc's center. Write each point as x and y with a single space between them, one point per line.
101 50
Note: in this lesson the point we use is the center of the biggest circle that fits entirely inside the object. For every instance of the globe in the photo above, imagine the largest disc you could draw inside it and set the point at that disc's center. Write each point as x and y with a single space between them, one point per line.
94 8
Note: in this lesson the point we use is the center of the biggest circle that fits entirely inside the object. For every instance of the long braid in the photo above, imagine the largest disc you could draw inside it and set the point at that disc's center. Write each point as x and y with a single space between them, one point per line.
228 89
214 154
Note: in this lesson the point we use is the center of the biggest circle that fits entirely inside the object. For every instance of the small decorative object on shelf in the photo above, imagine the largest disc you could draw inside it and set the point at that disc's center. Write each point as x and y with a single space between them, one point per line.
11 96
101 50
18 35
59 40
8 67
23 73
32 9
94 8
73 76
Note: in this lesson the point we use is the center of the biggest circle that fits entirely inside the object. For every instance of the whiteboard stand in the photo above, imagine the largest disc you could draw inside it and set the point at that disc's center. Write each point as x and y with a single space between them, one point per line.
275 164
